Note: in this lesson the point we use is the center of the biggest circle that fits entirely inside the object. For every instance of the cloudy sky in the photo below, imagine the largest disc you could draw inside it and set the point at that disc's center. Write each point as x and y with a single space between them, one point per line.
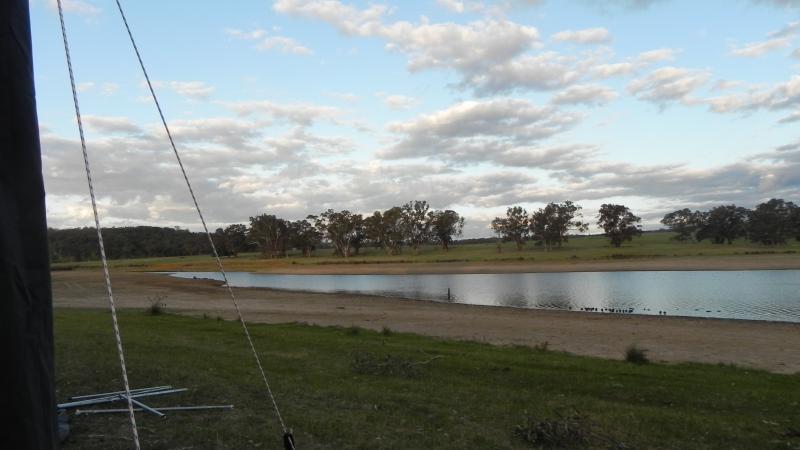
290 107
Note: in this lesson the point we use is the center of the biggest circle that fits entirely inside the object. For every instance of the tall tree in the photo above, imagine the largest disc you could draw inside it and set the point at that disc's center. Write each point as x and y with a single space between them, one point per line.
304 235
341 228
445 225
723 224
416 223
684 222
386 229
270 234
618 223
514 226
550 225
795 221
770 223
236 238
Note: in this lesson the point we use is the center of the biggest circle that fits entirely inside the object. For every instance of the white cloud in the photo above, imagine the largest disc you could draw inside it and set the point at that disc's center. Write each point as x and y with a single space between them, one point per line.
785 95
638 62
796 53
195 90
81 7
791 118
85 86
299 113
348 97
108 124
584 36
473 131
397 101
587 94
545 71
669 84
778 39
452 5
265 42
791 29
657 55
468 48
285 45
757 49
109 88
613 69
247 35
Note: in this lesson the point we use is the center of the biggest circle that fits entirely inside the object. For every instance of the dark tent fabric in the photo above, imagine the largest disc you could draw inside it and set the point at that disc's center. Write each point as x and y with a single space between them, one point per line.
27 393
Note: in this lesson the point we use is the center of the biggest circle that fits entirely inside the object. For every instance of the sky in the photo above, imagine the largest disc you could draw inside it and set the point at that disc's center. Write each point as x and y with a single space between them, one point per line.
291 107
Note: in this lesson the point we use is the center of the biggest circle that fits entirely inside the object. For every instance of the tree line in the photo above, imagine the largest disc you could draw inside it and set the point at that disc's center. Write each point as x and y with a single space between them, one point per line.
80 244
411 225
415 224
770 223
551 225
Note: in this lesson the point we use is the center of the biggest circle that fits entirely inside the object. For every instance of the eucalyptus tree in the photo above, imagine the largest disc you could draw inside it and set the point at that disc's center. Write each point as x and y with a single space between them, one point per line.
386 229
685 223
771 222
231 240
618 223
551 225
515 226
416 222
445 225
723 224
341 228
270 234
303 235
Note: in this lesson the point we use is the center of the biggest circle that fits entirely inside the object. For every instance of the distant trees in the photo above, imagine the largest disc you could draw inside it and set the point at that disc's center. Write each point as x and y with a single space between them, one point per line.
619 224
385 229
684 223
445 225
304 236
343 229
769 223
550 225
80 244
416 222
514 227
231 240
772 222
723 224
270 234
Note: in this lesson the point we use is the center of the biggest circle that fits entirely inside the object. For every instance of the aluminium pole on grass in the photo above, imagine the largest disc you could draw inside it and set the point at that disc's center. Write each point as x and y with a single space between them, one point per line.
27 390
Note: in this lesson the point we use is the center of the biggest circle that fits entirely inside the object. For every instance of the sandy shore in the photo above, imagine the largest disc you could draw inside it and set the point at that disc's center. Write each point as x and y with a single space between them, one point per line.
767 345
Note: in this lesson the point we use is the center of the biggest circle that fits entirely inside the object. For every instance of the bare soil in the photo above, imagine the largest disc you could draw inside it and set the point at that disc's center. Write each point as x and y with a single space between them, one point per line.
773 346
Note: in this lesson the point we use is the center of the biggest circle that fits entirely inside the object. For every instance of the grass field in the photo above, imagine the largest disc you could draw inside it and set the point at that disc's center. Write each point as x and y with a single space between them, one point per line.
581 248
337 389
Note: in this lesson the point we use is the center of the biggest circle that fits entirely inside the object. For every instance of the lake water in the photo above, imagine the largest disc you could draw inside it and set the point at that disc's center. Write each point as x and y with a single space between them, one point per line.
757 294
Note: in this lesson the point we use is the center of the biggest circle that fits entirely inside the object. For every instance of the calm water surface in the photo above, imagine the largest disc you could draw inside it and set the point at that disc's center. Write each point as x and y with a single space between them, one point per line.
757 294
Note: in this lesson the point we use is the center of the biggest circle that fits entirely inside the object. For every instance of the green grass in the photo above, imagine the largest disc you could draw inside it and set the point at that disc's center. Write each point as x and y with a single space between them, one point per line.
579 248
458 395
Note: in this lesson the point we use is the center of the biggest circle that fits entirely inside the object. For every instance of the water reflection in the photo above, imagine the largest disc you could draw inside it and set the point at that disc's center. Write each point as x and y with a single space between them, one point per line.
758 295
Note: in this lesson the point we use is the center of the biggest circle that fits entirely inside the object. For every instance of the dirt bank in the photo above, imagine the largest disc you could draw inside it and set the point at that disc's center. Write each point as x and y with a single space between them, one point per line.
767 345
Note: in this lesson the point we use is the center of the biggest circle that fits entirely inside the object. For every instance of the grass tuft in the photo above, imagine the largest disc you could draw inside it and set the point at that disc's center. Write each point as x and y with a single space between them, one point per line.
636 355
157 305
543 347
352 331
571 431
386 331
